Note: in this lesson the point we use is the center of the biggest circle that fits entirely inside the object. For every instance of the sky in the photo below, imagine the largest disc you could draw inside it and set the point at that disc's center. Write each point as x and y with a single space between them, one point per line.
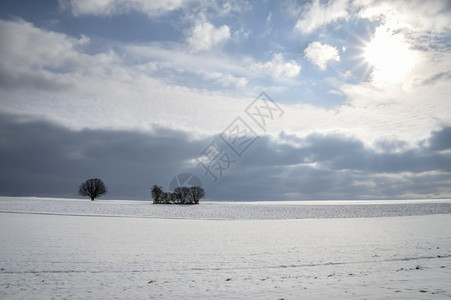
258 100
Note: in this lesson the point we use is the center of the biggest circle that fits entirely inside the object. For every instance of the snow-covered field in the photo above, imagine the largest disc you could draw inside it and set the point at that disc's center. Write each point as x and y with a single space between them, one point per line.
78 249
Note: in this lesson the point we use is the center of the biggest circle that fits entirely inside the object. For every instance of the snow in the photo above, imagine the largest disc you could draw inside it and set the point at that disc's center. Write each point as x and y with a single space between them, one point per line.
227 210
78 249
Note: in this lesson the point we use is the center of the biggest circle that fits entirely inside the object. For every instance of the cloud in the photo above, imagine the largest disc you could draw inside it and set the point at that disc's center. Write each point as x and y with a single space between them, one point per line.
229 6
321 54
63 81
410 40
136 86
159 84
40 158
441 140
337 152
205 36
18 38
315 15
420 15
278 68
350 154
334 166
226 80
114 7
41 59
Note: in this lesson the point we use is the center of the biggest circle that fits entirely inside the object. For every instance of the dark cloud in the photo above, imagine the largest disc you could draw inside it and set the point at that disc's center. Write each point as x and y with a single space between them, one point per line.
339 167
40 158
337 152
43 159
441 140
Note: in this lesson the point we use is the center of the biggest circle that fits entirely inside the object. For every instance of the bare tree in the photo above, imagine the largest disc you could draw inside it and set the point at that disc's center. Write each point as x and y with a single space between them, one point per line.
157 194
167 198
92 188
181 194
195 194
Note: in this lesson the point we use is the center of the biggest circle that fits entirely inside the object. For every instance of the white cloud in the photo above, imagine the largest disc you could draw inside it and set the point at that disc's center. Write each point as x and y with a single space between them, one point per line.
226 80
408 33
104 90
204 36
278 68
59 81
269 18
434 15
27 45
113 7
321 54
315 14
240 35
228 7
173 56
41 59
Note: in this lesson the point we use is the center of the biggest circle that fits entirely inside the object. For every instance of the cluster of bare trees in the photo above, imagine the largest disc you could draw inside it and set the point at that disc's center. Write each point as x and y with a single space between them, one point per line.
181 195
95 187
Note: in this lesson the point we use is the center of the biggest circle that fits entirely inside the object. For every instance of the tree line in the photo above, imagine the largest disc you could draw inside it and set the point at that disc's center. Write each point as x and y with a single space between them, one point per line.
181 195
95 187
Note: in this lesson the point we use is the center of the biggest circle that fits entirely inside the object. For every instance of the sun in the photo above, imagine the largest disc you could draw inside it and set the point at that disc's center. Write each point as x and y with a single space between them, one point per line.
389 55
